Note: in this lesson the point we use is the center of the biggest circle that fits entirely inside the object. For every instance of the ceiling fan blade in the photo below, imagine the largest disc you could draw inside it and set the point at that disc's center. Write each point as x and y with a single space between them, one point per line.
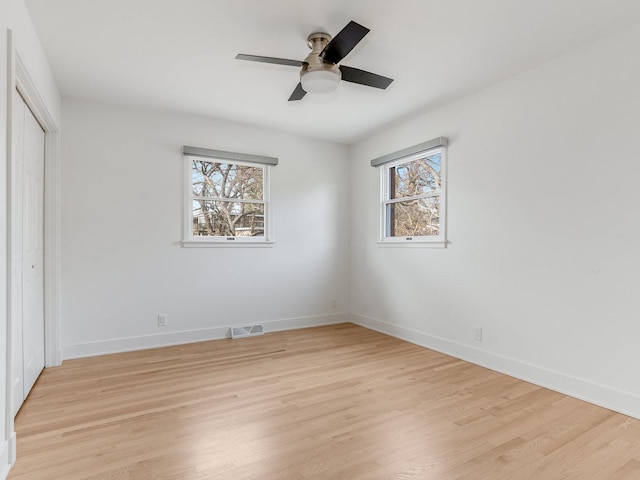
298 93
278 61
343 42
355 75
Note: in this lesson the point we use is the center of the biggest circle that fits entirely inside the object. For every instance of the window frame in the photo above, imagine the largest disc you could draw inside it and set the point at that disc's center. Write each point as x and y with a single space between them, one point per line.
439 240
189 240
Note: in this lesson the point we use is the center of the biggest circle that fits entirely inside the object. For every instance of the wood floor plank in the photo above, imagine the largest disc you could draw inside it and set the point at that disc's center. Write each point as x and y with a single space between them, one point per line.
338 402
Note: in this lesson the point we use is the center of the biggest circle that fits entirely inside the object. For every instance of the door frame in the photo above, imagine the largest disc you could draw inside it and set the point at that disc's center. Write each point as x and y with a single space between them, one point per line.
27 88
20 79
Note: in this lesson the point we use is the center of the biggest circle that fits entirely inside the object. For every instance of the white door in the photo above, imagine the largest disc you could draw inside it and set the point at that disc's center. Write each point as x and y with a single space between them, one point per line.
29 142
17 137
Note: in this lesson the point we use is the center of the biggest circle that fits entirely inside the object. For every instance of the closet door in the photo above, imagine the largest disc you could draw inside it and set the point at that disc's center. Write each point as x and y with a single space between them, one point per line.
17 363
33 251
30 153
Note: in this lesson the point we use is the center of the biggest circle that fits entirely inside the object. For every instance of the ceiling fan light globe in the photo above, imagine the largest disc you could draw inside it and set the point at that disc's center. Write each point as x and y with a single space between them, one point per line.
320 81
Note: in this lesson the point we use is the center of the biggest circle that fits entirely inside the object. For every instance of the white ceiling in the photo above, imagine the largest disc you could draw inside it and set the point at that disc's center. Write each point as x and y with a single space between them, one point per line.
179 54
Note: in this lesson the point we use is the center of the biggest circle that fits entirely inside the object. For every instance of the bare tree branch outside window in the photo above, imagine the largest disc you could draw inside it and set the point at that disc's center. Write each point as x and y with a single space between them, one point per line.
413 207
228 199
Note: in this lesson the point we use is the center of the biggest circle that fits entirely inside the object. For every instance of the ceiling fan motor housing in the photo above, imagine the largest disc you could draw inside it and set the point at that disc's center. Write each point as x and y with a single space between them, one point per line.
316 75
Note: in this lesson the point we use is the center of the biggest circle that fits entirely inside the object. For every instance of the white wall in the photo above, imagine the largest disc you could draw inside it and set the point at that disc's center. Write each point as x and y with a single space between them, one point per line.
27 45
543 228
14 16
122 262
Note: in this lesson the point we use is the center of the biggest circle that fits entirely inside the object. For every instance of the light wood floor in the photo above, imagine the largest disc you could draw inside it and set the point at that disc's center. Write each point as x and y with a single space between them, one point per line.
338 402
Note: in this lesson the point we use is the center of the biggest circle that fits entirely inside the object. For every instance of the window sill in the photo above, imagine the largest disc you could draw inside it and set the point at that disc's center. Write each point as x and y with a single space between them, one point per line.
412 244
226 244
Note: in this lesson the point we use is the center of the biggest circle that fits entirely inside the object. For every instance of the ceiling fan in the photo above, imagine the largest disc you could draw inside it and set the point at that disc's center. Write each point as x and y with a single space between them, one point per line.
320 72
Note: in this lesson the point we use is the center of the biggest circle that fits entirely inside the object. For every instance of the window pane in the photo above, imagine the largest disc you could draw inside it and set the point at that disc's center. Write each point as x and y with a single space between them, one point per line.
227 219
418 177
226 180
414 218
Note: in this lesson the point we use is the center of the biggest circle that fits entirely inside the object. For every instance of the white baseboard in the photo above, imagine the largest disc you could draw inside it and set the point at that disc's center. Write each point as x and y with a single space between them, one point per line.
7 456
305 322
117 345
13 448
54 360
612 399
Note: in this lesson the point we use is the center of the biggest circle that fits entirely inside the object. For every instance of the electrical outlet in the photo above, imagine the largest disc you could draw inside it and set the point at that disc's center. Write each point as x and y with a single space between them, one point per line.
477 333
334 303
162 319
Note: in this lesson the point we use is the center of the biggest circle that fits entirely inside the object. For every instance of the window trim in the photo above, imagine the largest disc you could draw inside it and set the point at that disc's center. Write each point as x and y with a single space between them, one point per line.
190 241
439 241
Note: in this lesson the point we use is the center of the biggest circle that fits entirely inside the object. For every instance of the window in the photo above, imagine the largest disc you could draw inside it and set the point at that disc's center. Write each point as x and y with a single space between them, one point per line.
413 195
227 199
